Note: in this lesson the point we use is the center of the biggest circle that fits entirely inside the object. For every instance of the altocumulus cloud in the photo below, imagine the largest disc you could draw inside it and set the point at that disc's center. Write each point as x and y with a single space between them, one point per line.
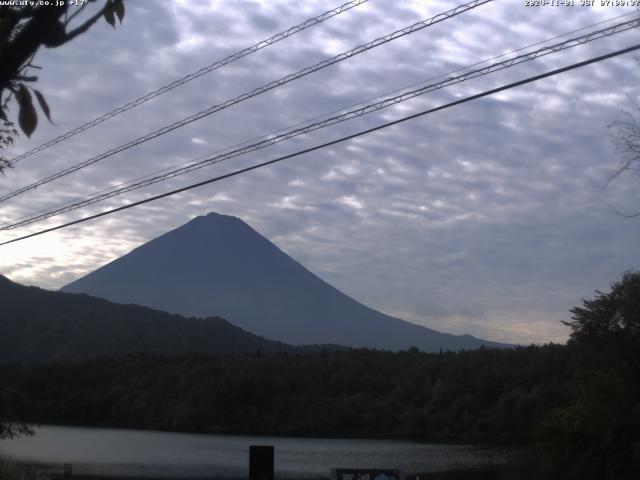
489 218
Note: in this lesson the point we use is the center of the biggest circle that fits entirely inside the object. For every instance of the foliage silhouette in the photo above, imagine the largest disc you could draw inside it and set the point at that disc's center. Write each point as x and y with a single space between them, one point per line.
25 27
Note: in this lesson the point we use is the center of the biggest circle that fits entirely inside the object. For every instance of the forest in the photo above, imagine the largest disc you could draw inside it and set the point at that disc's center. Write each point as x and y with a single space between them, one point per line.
478 396
574 407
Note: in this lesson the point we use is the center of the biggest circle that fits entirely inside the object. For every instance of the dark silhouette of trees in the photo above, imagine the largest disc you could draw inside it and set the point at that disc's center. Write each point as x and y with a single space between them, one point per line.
475 396
598 434
14 408
24 28
609 318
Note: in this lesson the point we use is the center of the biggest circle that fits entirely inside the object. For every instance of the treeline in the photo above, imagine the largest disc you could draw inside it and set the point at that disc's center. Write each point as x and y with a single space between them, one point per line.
577 406
476 396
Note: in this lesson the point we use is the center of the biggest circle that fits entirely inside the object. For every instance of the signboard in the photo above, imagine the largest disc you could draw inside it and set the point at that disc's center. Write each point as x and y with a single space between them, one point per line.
366 474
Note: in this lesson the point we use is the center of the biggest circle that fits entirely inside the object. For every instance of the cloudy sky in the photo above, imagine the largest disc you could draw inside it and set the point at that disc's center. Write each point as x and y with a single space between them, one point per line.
492 218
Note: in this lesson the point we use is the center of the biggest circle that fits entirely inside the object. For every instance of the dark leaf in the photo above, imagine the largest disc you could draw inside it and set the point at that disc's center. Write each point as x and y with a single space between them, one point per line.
43 105
108 14
3 115
27 117
118 7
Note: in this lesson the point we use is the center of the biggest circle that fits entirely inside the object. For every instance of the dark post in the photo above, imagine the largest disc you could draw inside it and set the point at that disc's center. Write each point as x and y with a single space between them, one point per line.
260 462
67 471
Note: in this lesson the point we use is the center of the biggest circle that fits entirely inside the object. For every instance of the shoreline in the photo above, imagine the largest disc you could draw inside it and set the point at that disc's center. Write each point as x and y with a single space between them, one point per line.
506 443
37 471
225 457
470 474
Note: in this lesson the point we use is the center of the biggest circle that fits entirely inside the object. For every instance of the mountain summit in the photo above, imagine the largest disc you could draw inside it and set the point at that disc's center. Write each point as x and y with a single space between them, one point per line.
218 265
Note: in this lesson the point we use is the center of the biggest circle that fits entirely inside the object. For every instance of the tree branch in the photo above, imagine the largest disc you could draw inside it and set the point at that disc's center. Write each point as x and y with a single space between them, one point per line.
85 26
41 29
73 15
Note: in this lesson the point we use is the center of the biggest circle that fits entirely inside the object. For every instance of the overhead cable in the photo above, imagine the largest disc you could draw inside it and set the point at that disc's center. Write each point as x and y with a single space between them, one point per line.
358 112
333 142
192 76
245 96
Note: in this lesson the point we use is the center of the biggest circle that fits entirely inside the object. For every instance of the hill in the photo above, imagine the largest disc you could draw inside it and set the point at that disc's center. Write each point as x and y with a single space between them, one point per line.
38 325
219 265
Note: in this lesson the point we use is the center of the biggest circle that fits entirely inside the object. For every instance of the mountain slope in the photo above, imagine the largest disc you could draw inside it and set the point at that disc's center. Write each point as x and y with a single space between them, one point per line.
40 325
218 265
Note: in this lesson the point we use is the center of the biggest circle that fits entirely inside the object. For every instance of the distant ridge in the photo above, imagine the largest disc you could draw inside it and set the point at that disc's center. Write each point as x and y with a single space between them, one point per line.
38 325
219 265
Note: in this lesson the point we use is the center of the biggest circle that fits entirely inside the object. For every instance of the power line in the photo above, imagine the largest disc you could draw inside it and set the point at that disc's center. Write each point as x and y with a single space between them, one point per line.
358 112
192 76
100 196
334 142
317 117
245 96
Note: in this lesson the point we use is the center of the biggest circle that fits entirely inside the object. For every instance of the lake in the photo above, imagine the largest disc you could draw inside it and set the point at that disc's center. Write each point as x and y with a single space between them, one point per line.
136 453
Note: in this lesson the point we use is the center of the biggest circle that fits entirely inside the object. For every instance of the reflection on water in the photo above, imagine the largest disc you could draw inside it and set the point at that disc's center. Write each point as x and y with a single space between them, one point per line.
161 454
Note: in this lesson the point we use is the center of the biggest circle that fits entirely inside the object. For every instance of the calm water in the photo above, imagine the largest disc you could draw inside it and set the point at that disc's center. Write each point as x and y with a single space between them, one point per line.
160 454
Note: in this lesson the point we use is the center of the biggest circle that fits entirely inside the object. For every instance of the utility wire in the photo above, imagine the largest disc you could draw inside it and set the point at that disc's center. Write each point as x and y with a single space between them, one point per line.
7 224
270 86
318 117
358 112
167 173
192 76
334 142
